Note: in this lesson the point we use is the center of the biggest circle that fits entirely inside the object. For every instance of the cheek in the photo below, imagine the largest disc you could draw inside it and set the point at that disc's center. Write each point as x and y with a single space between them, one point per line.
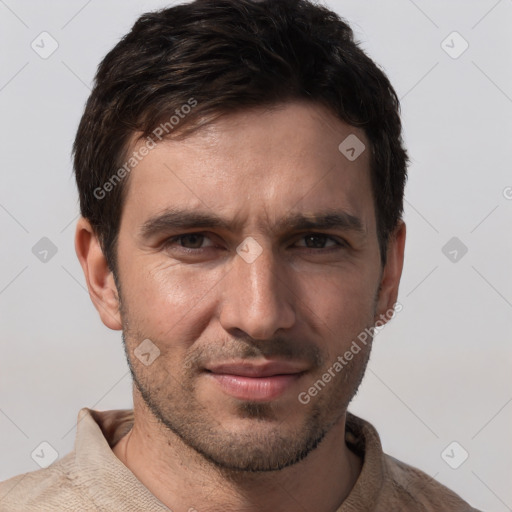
169 301
341 305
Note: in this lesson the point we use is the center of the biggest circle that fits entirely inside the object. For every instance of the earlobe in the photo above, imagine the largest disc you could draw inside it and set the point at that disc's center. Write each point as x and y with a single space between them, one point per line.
391 274
99 278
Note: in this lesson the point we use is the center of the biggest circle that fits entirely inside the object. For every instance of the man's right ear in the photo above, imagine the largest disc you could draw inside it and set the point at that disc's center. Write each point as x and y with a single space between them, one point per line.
100 280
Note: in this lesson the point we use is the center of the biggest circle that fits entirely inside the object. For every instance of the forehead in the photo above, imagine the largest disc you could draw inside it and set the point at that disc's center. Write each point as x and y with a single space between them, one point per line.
257 164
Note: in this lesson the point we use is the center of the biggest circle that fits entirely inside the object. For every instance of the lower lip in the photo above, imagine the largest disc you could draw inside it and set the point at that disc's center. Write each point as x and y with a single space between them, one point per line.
255 388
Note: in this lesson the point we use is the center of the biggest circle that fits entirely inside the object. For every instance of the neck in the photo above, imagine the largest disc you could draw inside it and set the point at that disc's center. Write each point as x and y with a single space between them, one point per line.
184 480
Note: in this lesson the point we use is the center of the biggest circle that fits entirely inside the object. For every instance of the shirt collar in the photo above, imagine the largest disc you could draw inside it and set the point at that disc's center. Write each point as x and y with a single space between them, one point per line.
111 484
362 438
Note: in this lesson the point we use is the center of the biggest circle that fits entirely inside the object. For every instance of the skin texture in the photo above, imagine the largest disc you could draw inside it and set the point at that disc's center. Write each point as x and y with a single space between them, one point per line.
302 300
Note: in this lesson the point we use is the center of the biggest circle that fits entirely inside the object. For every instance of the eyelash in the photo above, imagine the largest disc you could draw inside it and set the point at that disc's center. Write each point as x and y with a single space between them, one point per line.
340 244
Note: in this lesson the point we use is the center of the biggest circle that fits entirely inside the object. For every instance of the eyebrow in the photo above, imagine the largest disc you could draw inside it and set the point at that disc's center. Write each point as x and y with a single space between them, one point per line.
175 219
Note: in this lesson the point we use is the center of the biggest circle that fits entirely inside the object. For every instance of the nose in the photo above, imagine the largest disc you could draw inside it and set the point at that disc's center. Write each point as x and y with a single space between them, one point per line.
256 297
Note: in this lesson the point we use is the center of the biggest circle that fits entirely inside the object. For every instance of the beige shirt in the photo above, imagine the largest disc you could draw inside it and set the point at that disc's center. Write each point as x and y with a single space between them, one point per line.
92 478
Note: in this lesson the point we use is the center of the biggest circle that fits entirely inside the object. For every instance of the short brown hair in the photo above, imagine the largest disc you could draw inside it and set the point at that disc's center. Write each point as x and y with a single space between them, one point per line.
223 56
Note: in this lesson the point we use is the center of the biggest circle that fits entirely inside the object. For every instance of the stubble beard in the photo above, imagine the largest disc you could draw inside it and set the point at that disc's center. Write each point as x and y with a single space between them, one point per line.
270 444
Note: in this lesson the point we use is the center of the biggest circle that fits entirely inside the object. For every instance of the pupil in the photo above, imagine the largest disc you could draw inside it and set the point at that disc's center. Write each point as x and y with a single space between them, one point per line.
198 238
319 241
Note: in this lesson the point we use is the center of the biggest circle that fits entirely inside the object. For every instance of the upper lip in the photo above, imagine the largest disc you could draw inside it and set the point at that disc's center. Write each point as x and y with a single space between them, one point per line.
266 369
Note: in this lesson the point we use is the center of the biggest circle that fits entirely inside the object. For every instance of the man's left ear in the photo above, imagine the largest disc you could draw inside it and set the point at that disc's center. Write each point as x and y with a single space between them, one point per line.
391 274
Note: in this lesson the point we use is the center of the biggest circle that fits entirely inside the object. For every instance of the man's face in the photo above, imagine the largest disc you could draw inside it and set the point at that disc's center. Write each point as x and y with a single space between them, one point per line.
250 313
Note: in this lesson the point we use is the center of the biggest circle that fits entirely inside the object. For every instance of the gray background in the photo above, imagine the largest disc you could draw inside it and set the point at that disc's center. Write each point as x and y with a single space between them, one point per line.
440 371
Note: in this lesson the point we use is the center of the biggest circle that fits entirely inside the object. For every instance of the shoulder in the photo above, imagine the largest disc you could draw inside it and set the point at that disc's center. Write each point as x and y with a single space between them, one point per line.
386 483
54 486
414 488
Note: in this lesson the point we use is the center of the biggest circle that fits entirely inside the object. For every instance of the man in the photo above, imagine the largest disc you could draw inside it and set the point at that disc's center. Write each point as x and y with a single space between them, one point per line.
241 173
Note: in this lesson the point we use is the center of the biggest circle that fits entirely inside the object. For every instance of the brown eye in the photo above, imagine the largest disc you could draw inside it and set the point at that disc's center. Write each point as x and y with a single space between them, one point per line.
188 242
319 240
192 240
315 241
